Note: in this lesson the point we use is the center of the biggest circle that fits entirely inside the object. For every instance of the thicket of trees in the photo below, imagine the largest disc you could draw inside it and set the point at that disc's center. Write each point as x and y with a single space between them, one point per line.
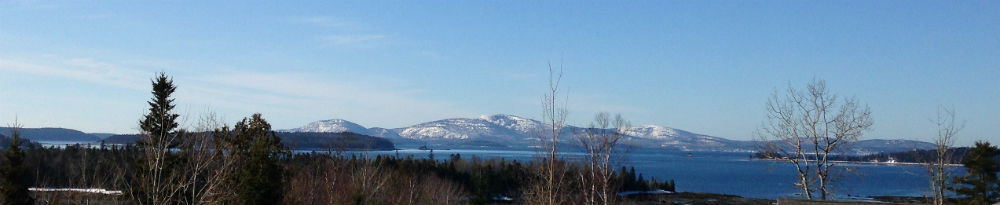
980 184
323 178
15 173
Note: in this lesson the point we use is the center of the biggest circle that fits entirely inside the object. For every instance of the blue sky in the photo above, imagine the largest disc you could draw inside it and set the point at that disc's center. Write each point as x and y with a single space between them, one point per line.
702 66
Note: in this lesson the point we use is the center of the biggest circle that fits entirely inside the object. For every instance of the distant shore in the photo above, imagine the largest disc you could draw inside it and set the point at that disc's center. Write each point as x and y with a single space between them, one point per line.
860 162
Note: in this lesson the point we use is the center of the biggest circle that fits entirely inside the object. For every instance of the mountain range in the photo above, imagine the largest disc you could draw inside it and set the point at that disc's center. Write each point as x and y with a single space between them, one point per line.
518 132
502 131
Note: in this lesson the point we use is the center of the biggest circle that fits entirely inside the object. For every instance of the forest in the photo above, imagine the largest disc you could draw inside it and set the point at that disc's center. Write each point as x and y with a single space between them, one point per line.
319 177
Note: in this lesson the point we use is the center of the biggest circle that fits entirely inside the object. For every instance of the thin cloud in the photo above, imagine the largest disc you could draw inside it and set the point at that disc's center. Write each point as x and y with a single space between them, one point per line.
81 69
290 97
309 88
305 97
338 32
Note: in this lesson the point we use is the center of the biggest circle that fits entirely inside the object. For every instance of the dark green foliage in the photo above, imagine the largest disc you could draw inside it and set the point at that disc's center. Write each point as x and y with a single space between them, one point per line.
260 177
123 139
157 163
76 166
337 141
15 173
980 184
160 123
632 182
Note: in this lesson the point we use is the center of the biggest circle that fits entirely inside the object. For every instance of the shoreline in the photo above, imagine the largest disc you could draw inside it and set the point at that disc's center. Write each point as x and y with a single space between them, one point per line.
861 162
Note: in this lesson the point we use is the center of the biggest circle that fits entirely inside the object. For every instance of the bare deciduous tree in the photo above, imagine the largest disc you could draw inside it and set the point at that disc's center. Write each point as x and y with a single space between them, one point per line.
554 118
943 141
812 125
601 142
206 167
370 180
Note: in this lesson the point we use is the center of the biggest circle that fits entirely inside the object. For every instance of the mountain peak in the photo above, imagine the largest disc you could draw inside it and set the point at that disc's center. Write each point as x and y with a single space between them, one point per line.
332 125
513 122
653 132
499 116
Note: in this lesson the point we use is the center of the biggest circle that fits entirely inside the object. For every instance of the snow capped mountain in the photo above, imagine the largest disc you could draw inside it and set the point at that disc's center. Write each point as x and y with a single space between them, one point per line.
678 139
332 125
386 133
507 130
653 132
516 123
457 129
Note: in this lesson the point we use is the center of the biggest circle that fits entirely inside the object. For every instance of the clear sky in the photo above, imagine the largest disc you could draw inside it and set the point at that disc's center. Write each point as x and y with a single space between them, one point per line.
702 66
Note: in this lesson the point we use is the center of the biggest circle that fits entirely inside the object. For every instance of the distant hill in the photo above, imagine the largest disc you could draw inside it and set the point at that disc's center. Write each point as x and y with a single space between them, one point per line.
52 134
102 135
334 141
912 156
303 140
886 146
869 146
122 139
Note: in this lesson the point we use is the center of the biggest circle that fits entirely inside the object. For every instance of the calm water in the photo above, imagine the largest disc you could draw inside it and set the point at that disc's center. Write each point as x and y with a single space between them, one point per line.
735 173
719 172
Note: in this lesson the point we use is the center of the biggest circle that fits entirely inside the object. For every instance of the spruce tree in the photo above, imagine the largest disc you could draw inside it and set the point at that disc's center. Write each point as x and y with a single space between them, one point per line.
15 173
160 123
260 177
980 184
159 135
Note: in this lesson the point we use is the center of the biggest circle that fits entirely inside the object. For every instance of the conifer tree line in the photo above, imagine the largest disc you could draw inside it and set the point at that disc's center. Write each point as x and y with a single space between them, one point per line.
247 163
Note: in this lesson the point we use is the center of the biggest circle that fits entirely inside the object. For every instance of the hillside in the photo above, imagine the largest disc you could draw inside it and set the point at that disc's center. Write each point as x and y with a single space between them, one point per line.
912 156
333 141
52 134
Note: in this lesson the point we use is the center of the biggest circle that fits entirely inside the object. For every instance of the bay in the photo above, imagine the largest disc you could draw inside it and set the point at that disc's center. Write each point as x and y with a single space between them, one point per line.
729 172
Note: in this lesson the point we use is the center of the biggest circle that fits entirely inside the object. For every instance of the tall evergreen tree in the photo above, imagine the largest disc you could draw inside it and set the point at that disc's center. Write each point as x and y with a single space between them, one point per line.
159 135
260 177
160 123
15 173
980 184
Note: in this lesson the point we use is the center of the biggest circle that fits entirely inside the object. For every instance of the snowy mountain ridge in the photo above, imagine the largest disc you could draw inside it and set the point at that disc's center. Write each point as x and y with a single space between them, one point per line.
332 125
508 130
502 130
